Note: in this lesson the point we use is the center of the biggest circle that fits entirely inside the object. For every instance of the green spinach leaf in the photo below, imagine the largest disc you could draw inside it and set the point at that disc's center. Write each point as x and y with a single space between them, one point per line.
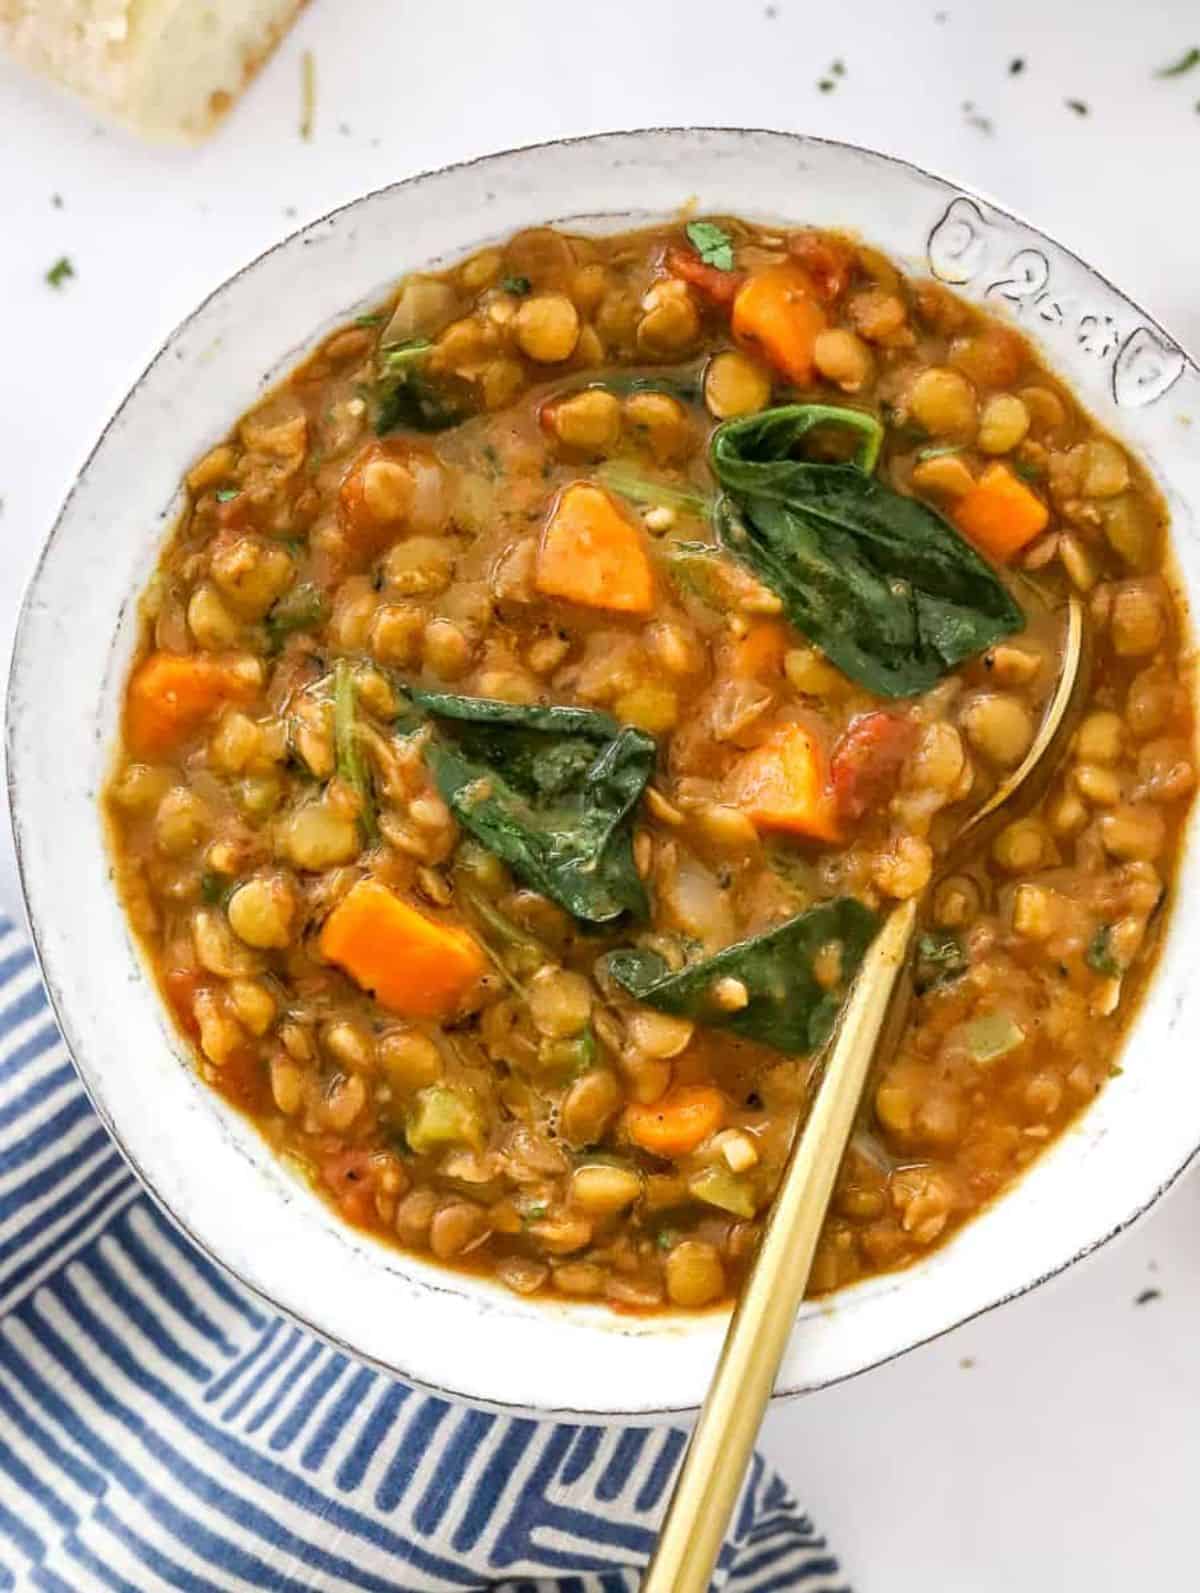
712 243
787 1007
941 959
405 395
881 583
300 609
1100 956
550 790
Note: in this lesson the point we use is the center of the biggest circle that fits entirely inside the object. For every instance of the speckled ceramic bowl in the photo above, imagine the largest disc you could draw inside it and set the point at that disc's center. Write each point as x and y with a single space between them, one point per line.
207 1166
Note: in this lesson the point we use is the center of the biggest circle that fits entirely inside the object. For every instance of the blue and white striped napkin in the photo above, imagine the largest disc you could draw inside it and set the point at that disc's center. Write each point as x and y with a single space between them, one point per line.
161 1428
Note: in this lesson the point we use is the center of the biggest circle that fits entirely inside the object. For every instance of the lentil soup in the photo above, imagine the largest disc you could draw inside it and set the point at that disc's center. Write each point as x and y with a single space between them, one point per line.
550 685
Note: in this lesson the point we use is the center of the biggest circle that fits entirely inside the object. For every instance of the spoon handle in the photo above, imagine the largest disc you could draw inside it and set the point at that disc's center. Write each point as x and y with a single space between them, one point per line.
723 1441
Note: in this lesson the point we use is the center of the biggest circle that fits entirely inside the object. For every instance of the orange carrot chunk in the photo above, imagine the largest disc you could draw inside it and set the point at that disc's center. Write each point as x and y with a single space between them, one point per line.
760 653
591 554
783 785
172 694
777 316
676 1124
1000 514
407 961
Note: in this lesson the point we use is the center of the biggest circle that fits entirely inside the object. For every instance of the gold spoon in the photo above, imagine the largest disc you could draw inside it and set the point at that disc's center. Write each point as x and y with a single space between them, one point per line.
707 1488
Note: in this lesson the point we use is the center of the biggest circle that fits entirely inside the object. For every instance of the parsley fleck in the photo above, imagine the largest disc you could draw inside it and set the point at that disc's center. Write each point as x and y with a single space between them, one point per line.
59 272
534 1212
367 320
57 201
1185 63
1147 1295
1027 469
1080 107
826 85
977 119
712 243
518 285
225 494
1016 66
212 887
665 1238
838 68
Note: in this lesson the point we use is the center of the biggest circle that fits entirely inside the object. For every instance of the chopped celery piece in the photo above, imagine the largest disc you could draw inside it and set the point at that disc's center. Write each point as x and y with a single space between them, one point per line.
717 1186
994 1035
441 1116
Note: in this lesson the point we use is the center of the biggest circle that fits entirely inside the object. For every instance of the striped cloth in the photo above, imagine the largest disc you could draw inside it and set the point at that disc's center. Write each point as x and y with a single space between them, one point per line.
162 1428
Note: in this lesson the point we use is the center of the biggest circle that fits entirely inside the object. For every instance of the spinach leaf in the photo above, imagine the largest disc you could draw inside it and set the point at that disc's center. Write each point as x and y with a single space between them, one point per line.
549 790
712 243
642 489
301 609
787 1007
1100 956
405 395
881 583
941 959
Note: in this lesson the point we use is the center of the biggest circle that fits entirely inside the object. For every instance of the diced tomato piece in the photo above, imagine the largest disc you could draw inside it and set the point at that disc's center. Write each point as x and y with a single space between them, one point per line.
828 262
719 286
867 760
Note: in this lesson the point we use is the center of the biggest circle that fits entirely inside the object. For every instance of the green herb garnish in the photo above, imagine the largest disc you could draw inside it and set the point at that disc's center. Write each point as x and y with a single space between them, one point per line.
1080 107
1185 63
788 1008
942 451
941 959
712 243
551 791
226 494
213 887
301 609
1100 956
881 583
350 763
59 272
368 320
518 285
1027 470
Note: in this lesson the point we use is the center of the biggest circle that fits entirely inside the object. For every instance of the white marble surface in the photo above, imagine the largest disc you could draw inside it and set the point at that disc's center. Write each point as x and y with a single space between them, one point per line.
1055 1444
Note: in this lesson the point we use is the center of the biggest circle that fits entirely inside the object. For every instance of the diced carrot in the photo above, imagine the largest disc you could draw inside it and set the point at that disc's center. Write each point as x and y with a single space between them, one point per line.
408 962
172 694
867 760
781 785
591 554
679 1122
827 260
1000 514
719 286
760 653
777 316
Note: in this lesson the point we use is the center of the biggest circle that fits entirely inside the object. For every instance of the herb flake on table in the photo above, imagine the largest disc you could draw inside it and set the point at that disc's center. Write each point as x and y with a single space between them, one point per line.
1080 107
61 271
1145 1297
1016 66
712 243
1186 62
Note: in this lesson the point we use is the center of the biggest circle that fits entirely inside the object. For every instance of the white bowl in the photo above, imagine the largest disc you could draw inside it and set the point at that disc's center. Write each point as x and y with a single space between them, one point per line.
205 1164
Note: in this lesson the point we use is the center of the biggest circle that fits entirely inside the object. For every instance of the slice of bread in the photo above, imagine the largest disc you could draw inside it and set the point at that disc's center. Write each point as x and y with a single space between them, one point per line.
168 69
